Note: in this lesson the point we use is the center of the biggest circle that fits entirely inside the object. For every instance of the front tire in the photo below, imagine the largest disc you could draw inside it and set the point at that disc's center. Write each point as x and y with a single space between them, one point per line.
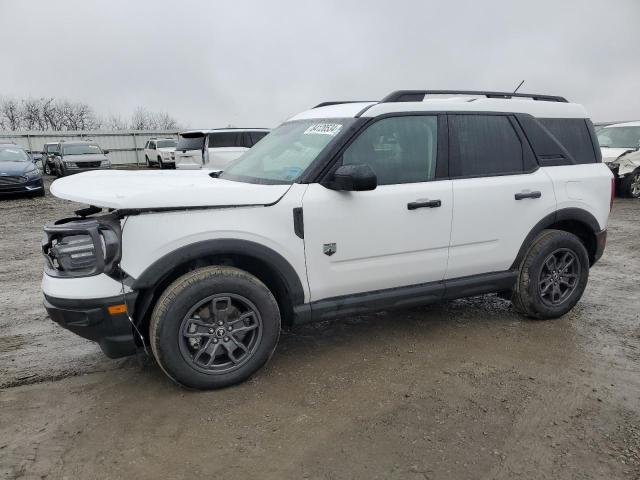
553 275
47 168
160 164
630 185
214 327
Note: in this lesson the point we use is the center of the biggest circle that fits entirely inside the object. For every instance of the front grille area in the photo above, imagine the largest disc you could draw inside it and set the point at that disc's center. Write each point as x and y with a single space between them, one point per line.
88 164
8 181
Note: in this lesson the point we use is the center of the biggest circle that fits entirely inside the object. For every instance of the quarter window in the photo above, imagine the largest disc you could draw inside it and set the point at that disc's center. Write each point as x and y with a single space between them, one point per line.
398 149
483 145
573 134
225 139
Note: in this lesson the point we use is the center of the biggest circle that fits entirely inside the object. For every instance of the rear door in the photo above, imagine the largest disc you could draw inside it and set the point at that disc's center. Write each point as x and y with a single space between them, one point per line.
396 235
499 193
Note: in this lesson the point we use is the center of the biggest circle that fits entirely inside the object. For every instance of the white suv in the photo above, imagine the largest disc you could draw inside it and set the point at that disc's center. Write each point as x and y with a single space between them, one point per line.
343 209
159 151
620 144
214 149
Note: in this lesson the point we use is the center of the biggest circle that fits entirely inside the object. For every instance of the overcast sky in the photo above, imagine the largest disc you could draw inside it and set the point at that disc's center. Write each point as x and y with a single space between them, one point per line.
214 63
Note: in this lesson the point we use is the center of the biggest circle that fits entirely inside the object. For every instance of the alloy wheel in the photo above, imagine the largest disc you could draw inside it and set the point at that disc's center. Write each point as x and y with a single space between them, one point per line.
559 277
220 333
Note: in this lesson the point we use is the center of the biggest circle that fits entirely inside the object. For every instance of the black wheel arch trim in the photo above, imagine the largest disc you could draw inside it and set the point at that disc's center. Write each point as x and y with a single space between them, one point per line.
564 214
162 267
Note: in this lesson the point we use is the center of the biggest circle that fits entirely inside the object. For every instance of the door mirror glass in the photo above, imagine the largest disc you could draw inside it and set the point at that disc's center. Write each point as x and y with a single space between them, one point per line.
353 178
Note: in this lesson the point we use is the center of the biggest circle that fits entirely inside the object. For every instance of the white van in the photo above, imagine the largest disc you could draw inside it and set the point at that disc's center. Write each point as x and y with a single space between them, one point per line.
214 149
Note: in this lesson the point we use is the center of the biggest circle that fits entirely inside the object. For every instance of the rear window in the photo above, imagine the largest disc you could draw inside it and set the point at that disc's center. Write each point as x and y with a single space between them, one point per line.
190 143
225 139
573 134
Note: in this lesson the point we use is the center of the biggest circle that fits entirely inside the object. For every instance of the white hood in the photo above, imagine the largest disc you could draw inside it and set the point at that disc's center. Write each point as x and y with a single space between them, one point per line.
162 189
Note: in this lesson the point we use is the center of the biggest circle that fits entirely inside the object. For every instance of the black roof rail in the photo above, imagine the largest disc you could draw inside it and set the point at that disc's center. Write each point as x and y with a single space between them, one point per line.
418 95
327 104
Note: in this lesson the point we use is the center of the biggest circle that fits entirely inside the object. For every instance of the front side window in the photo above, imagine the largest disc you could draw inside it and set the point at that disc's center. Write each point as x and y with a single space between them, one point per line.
282 156
482 145
398 149
82 150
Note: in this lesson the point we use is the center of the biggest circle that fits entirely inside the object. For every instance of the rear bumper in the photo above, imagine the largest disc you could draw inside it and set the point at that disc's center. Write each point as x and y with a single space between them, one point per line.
90 319
601 242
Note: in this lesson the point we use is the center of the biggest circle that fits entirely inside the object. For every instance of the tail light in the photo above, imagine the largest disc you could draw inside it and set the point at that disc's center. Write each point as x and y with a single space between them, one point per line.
613 192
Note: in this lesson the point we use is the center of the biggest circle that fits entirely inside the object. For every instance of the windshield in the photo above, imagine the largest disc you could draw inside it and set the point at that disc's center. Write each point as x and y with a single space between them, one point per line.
12 154
81 150
166 143
190 143
619 137
284 154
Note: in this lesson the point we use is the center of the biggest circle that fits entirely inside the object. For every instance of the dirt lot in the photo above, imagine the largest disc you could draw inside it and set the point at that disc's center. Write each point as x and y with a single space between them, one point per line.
466 389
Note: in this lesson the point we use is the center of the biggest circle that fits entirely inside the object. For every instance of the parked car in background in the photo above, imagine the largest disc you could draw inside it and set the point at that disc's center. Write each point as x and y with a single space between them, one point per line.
158 151
49 150
619 144
18 172
76 157
215 149
343 209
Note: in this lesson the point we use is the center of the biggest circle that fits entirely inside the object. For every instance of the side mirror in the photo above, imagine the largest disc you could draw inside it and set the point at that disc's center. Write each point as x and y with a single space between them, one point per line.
105 151
353 178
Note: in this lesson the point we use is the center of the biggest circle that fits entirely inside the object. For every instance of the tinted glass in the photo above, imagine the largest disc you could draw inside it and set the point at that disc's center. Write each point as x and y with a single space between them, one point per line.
225 139
190 143
398 149
483 145
256 136
573 134
284 154
166 143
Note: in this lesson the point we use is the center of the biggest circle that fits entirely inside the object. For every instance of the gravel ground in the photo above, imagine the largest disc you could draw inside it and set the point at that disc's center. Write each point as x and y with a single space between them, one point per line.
466 389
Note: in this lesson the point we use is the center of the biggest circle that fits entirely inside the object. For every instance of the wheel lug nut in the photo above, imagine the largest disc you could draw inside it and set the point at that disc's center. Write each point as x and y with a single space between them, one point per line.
211 330
220 322
226 339
215 340
229 328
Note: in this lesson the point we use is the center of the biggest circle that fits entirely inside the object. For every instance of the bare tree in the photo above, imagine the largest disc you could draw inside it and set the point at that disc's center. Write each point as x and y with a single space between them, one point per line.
11 114
58 115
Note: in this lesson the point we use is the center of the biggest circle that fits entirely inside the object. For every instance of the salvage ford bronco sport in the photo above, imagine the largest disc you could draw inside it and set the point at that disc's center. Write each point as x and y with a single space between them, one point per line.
346 208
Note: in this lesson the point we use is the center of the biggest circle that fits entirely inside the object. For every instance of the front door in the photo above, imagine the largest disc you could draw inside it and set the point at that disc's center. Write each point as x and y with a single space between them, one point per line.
396 235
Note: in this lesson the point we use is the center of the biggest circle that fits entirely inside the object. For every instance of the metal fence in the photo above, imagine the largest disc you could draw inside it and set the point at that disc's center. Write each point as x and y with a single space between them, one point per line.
125 146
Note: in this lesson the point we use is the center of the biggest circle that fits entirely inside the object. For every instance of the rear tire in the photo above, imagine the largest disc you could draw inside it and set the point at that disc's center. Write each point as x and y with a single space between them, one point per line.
630 185
553 275
47 168
214 327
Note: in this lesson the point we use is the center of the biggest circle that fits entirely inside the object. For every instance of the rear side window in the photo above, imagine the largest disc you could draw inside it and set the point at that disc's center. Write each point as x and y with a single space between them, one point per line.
256 136
573 134
483 145
225 139
190 143
398 149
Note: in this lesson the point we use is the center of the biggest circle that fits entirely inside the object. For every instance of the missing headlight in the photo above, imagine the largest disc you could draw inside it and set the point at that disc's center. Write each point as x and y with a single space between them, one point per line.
82 247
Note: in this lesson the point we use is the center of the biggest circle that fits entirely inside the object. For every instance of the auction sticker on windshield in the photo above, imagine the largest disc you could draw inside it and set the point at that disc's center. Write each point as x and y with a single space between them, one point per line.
323 129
